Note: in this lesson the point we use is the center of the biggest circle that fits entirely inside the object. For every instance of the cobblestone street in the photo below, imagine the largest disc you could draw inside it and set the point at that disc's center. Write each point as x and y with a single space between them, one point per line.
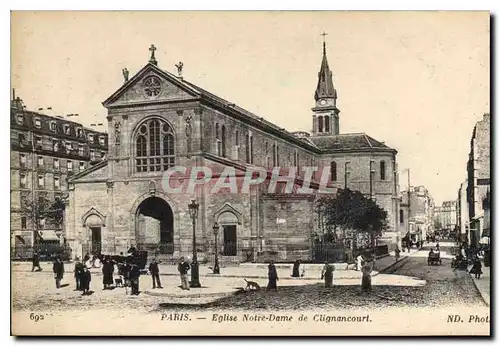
410 282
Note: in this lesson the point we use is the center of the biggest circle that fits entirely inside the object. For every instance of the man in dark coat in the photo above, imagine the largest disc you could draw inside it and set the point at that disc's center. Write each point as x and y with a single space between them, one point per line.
132 251
135 273
272 275
36 262
183 269
79 268
85 280
58 269
155 273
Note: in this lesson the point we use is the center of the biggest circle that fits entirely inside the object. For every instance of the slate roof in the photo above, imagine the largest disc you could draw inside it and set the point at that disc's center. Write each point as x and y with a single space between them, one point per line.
319 144
348 142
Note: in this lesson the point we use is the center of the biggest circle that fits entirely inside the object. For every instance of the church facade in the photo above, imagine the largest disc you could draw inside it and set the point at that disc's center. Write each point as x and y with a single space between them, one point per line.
158 121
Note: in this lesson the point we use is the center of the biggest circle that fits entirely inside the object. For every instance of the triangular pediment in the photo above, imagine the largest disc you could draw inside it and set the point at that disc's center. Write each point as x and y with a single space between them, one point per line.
151 85
91 212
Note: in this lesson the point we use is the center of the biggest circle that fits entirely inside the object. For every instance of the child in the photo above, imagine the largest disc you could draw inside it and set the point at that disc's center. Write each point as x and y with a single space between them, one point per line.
85 283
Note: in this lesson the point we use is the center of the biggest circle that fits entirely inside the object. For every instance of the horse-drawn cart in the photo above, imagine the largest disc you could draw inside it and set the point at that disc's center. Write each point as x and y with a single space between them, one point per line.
434 258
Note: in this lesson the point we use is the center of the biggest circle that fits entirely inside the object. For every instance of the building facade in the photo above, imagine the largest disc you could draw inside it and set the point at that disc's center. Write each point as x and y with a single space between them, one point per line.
445 216
158 120
417 210
478 177
45 151
463 213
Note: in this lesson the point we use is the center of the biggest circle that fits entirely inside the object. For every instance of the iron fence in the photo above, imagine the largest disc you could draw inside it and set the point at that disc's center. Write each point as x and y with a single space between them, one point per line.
46 252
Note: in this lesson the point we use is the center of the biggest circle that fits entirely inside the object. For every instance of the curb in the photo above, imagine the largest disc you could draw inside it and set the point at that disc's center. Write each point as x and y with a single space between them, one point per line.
478 290
383 270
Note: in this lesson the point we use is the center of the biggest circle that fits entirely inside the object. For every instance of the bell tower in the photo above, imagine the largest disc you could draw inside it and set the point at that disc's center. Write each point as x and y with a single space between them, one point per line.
325 112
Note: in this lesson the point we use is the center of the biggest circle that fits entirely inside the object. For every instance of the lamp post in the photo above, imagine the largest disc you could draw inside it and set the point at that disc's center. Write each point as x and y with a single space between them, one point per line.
195 274
216 233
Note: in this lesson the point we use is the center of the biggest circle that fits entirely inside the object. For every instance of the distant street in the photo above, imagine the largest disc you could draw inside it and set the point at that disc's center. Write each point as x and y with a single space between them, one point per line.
444 288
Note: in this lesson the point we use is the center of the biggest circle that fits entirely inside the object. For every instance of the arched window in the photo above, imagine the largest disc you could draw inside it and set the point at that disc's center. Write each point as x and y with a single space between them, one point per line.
333 170
274 155
401 216
223 139
327 123
154 146
382 170
247 148
251 150
320 124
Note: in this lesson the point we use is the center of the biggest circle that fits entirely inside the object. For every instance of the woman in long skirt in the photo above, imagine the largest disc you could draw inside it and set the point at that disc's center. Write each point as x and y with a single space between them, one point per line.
476 269
327 274
272 275
296 269
107 272
366 279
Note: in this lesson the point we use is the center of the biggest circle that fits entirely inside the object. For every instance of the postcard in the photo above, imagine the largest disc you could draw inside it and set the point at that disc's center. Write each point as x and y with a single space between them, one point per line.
312 173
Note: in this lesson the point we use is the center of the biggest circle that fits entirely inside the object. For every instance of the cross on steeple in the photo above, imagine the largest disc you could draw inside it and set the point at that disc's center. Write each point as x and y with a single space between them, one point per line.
152 59
324 42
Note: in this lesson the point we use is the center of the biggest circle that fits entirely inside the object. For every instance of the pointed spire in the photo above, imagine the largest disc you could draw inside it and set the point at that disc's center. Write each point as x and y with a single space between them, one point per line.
325 87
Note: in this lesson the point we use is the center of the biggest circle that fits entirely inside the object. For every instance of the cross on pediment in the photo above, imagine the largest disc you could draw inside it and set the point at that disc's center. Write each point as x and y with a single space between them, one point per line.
152 59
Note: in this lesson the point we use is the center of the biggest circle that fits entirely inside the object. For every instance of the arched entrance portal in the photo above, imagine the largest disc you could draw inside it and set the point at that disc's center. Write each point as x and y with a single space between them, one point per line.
154 226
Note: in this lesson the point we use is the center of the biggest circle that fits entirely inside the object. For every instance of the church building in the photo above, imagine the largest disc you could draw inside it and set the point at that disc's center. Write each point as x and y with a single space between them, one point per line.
158 120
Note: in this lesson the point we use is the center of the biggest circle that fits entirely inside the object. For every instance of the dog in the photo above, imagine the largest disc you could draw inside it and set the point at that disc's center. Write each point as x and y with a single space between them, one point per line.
252 286
119 282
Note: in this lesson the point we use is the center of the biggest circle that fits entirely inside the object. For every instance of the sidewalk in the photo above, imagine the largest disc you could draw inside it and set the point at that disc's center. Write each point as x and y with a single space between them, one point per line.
229 282
246 270
483 284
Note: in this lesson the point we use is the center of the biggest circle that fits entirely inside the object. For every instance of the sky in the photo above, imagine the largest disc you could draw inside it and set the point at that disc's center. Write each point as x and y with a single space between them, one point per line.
419 81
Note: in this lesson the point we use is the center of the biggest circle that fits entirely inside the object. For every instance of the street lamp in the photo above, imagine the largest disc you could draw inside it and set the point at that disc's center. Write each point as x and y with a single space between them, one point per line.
195 274
216 265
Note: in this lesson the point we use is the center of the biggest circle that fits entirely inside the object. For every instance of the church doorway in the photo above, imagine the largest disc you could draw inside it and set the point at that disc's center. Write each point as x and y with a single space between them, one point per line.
230 240
96 240
154 226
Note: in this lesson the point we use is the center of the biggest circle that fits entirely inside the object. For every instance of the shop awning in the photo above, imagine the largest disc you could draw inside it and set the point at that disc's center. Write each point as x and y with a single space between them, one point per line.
48 235
20 239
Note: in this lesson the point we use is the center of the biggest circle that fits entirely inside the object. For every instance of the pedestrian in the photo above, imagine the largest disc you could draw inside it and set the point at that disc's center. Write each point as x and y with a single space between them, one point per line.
36 262
107 273
327 274
85 281
135 273
58 269
359 262
132 250
183 269
155 273
79 269
437 246
272 275
296 269
397 252
366 278
476 268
